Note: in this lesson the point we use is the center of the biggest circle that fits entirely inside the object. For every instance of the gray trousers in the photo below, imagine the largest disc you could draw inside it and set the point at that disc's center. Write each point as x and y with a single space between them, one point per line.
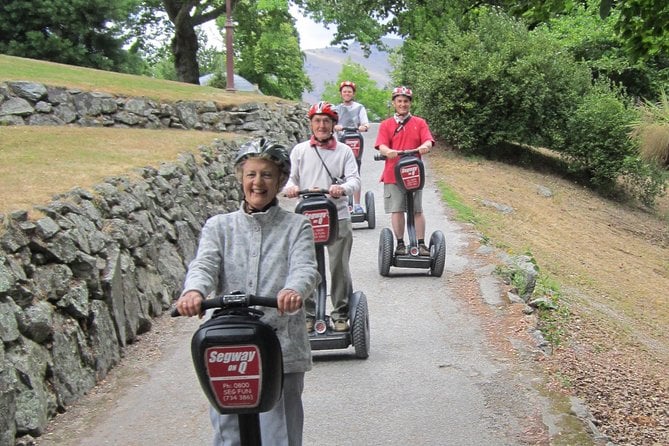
341 286
281 426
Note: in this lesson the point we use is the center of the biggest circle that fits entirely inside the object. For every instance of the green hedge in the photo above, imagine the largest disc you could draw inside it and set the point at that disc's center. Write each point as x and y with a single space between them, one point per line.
496 83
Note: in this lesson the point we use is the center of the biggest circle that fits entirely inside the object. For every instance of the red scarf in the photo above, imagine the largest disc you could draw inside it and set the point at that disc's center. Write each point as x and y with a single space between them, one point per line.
330 144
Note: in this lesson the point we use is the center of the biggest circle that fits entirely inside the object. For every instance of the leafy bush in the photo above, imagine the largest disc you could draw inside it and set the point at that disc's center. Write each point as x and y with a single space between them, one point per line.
596 135
596 142
494 82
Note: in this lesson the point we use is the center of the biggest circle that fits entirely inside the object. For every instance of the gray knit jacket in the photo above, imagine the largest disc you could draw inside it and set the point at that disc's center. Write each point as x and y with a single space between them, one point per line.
260 254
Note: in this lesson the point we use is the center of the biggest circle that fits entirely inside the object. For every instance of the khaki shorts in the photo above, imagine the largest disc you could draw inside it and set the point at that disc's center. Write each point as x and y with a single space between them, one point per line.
394 199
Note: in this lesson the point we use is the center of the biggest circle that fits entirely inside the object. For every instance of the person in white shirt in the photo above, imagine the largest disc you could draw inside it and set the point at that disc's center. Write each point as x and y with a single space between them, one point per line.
323 162
352 114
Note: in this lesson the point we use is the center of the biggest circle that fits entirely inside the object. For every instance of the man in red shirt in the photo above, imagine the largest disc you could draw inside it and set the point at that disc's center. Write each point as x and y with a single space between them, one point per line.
403 131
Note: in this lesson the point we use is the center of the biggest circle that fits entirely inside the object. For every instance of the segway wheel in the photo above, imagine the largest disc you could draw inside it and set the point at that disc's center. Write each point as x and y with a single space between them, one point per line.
437 253
360 329
385 251
371 211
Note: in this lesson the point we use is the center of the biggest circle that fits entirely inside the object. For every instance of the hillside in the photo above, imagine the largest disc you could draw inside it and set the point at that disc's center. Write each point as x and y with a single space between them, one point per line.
610 262
324 64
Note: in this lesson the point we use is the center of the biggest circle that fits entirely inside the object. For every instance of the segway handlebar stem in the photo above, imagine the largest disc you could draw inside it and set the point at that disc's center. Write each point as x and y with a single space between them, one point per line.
401 153
227 301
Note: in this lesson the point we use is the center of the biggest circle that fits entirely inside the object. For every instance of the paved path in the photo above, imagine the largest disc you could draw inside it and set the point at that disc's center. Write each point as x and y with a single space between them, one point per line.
432 377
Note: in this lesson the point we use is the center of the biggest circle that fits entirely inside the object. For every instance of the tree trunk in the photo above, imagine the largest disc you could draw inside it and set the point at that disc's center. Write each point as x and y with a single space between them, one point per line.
184 48
184 42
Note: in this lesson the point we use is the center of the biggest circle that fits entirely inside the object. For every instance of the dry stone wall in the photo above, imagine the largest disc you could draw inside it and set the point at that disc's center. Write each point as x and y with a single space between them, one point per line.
87 277
30 103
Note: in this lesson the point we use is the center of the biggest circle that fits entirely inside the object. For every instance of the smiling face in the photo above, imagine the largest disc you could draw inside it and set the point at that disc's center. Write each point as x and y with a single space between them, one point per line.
322 126
402 105
347 94
261 180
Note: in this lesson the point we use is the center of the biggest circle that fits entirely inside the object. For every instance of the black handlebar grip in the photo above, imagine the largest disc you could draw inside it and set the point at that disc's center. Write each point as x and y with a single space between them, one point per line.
263 301
232 301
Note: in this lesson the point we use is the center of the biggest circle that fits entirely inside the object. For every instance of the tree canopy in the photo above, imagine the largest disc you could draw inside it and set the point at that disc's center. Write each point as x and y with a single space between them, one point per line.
76 32
267 48
642 24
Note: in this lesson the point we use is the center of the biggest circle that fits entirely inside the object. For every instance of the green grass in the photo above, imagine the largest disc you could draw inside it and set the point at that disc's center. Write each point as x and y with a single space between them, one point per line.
87 79
462 211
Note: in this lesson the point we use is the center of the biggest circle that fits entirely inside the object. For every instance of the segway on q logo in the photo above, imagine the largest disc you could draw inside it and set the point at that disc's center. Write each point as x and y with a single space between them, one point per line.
235 375
410 176
320 223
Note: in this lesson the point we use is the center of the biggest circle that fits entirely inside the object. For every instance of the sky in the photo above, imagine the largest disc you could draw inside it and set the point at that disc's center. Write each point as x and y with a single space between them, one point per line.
312 35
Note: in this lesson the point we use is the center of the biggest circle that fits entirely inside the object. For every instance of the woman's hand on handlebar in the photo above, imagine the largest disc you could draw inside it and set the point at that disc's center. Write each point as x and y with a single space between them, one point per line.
190 304
288 301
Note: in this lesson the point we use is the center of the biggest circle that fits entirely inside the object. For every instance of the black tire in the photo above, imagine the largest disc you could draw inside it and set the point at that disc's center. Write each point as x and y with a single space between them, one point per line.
385 251
371 211
437 253
360 329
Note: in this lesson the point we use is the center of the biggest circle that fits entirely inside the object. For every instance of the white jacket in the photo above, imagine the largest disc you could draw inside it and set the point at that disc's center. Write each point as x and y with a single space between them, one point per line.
260 254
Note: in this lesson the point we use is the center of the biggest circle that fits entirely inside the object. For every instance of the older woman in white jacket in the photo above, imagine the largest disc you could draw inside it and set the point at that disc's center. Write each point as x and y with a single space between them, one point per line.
264 250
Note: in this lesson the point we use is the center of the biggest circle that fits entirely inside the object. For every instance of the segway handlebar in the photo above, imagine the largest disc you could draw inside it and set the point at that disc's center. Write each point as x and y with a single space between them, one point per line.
227 301
351 130
401 153
314 191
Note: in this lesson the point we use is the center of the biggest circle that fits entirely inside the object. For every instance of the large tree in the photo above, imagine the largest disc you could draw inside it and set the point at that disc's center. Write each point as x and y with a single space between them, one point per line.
186 15
267 48
76 32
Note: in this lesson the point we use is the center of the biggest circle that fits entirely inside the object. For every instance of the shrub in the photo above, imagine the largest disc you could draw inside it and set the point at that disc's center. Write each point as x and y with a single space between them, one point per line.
492 83
597 143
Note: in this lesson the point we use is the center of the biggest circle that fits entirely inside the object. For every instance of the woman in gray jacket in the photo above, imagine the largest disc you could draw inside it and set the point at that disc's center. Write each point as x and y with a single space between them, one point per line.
264 250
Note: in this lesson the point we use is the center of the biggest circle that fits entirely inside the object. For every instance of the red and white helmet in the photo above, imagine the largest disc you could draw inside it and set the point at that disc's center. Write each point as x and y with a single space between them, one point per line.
402 91
347 84
323 108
